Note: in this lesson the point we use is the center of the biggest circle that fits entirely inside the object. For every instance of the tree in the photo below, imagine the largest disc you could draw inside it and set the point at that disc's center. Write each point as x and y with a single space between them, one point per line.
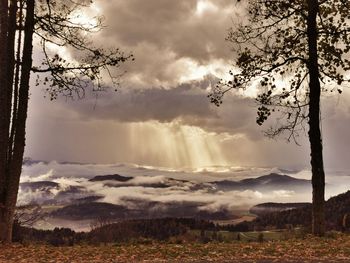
292 51
51 23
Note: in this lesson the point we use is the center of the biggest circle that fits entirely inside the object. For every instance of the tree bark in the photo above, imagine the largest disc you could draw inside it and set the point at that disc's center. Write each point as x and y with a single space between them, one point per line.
16 80
12 27
4 124
6 99
3 90
15 166
318 175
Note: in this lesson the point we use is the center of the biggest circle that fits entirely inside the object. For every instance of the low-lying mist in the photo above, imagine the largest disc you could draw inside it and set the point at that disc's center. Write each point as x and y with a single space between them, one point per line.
144 192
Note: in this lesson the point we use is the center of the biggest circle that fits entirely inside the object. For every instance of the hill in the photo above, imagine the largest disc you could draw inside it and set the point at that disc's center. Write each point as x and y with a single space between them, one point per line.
90 210
93 210
335 209
268 182
266 208
112 177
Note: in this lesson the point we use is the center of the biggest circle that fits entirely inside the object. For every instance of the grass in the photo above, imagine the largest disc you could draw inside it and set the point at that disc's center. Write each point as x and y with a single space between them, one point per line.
309 249
248 236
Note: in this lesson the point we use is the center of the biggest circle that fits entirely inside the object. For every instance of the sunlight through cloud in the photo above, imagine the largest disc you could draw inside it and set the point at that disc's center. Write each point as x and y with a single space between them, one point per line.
176 145
205 6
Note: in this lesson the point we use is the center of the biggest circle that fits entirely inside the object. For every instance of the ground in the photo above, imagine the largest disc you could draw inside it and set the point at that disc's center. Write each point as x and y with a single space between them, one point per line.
309 249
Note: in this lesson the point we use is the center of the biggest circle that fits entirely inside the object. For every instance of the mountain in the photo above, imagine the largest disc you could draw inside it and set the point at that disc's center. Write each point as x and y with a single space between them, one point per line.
116 181
146 185
90 210
88 199
111 177
335 210
269 182
266 208
139 209
81 199
48 192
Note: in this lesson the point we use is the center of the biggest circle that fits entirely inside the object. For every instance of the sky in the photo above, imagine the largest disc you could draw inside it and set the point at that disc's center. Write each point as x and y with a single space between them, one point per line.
160 115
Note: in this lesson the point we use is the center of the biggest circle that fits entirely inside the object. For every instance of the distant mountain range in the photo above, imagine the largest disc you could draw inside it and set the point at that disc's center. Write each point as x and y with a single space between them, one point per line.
264 183
81 203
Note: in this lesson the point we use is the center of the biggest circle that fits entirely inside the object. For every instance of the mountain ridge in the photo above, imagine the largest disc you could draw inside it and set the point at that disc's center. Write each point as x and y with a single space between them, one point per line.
272 180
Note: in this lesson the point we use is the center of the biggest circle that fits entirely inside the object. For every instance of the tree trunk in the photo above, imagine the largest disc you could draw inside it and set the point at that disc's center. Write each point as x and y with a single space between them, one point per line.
4 124
318 175
12 26
15 166
3 91
16 80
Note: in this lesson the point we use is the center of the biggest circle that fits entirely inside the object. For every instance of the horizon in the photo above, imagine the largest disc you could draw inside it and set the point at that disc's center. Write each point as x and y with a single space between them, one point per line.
168 190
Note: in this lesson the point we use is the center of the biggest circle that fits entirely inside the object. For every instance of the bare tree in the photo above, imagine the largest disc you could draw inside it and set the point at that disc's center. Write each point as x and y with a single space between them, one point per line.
28 215
49 21
292 51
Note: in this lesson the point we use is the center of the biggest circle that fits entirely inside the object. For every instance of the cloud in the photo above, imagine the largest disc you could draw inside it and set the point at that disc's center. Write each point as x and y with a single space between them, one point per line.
172 25
191 191
170 39
202 194
186 104
180 52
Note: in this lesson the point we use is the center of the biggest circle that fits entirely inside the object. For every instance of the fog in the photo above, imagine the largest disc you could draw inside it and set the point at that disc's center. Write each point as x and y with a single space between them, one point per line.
189 186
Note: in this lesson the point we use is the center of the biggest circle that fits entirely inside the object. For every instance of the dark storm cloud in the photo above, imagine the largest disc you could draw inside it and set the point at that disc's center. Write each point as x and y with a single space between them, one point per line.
170 40
187 103
165 35
170 25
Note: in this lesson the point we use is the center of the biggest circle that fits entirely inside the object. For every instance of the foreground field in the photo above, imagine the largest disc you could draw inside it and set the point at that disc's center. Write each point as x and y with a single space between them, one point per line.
309 249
